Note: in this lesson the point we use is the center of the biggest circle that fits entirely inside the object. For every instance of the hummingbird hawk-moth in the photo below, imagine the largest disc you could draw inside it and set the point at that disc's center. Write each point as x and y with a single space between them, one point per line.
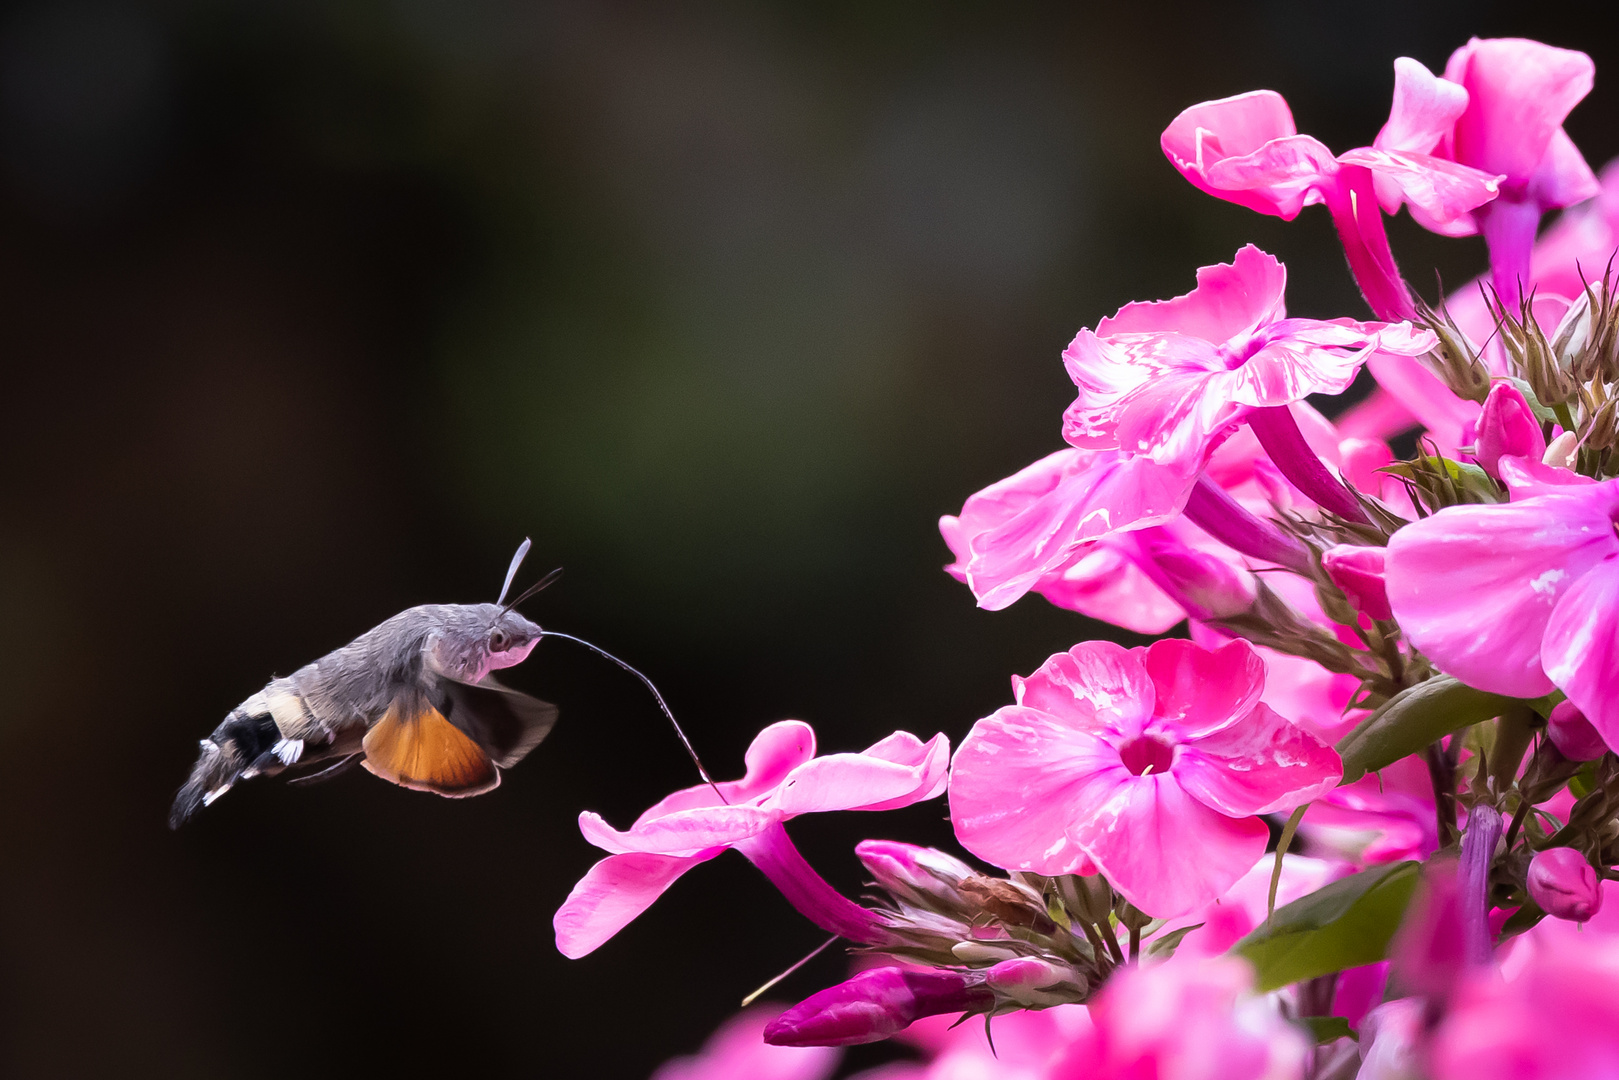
412 700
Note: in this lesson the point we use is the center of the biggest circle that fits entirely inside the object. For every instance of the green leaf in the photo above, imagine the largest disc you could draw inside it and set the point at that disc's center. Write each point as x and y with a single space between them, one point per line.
1412 719
1324 1029
1165 947
1343 925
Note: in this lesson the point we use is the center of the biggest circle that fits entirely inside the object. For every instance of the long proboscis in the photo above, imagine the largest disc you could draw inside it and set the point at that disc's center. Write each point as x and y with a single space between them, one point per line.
663 705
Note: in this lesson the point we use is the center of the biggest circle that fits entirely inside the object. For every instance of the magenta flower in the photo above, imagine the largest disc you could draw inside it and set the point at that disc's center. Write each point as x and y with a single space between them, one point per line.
1521 598
1555 1017
784 779
1184 1020
1519 93
1358 571
1168 380
1506 427
1246 149
737 1051
1038 530
1148 764
1573 734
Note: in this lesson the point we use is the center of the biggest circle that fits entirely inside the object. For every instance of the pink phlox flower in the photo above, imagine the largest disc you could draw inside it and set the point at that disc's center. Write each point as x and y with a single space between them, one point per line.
1168 380
1296 687
1553 1015
784 779
1246 149
1149 764
1519 598
1184 1022
1424 112
1038 530
737 1051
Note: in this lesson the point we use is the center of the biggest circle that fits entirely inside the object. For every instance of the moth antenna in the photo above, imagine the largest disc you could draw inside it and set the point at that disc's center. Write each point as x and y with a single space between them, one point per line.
534 588
511 571
663 705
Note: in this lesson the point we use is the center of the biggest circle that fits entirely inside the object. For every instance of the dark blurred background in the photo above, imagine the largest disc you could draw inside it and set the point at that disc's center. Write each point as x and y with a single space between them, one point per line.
310 312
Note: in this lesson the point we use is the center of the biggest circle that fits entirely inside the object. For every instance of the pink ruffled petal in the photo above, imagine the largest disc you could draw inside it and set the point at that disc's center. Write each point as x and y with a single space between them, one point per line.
1020 532
611 894
1259 765
1519 93
1165 851
896 772
1018 781
774 753
1425 109
1203 136
1442 190
1474 586
1281 178
1198 690
1581 647
683 832
1093 684
1563 177
1230 299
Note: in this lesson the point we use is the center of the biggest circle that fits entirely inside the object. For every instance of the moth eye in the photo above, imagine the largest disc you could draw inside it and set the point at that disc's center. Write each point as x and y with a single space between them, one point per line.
498 641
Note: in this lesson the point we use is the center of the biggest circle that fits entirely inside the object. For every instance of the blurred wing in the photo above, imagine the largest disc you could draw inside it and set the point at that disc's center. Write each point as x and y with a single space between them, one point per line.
506 723
414 746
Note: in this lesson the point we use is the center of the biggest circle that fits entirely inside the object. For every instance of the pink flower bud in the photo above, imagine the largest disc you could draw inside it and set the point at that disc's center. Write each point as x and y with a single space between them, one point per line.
913 872
1358 571
1564 884
1506 426
1573 735
1030 982
874 1005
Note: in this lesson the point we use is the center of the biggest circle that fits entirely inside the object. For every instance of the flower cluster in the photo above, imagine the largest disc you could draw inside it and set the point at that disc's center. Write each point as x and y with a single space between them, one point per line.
1344 824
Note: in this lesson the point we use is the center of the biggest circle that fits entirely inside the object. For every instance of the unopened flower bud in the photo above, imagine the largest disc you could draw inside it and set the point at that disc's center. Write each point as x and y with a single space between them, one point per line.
874 1005
914 873
1564 884
1035 983
1563 451
1573 734
1507 426
1358 571
977 952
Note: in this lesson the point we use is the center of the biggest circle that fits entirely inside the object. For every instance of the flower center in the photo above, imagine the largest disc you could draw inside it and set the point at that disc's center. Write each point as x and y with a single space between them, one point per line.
1146 754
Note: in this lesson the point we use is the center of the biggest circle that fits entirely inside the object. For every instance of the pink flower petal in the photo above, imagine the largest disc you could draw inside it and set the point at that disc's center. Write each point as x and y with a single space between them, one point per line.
1474 586
1581 647
611 894
1425 109
897 772
1526 477
1440 192
1165 851
1258 766
1230 299
774 752
1202 690
1519 93
682 832
1246 150
1095 682
1106 584
1017 781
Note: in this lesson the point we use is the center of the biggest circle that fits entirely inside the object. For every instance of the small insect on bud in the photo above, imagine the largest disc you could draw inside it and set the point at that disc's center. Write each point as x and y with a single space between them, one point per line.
1573 734
1564 884
1507 426
875 1004
1358 571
